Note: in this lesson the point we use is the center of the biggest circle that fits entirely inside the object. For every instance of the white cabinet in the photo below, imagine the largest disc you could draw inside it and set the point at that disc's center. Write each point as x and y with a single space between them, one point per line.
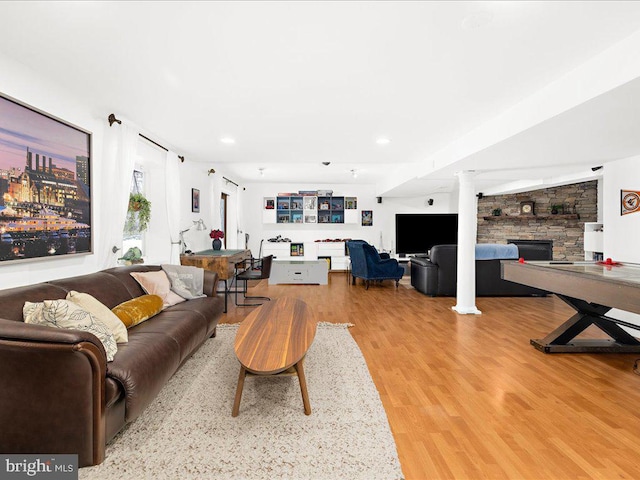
299 271
283 250
280 250
335 251
351 216
312 251
593 240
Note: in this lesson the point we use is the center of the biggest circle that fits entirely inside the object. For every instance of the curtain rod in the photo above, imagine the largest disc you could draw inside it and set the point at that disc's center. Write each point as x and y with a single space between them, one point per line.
112 119
155 143
230 181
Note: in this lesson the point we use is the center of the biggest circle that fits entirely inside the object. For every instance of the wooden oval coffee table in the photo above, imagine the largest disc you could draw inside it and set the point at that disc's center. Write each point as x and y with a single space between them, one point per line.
273 340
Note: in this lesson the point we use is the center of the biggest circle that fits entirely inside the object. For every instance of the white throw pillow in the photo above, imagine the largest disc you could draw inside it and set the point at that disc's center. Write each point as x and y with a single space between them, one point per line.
66 314
101 312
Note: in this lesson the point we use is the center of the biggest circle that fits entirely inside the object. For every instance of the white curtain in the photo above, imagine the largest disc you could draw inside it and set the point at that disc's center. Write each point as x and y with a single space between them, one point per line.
120 149
216 189
172 190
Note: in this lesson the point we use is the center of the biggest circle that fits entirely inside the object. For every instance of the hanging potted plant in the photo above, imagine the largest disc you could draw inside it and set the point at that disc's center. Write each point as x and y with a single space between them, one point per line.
138 214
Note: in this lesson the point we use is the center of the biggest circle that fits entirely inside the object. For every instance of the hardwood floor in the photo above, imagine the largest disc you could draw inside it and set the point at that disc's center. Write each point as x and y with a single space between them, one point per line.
467 397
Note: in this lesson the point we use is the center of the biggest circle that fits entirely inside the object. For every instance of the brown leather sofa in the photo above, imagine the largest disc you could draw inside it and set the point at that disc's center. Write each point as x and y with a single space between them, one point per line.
59 394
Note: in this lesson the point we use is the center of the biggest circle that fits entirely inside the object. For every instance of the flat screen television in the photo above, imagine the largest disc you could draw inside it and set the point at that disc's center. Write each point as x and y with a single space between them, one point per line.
416 233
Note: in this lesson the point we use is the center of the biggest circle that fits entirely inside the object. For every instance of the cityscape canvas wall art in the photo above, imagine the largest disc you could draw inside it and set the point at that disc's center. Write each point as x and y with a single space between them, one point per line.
45 185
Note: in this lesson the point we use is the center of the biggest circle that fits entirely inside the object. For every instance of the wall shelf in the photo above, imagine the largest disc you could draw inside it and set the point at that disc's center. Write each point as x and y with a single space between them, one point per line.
558 216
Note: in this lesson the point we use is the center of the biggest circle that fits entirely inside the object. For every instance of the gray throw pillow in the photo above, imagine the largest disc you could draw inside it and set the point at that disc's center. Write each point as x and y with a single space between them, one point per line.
186 281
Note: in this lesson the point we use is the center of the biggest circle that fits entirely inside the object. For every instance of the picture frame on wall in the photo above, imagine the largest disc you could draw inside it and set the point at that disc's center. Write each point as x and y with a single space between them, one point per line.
367 218
629 201
45 185
269 203
195 200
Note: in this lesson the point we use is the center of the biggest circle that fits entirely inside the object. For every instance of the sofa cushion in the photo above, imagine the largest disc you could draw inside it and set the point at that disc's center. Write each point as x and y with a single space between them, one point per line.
139 309
12 299
104 287
157 283
187 329
492 251
142 367
101 312
65 314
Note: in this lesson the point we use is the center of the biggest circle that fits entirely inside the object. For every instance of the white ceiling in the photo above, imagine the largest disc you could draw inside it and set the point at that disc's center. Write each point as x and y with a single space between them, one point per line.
301 83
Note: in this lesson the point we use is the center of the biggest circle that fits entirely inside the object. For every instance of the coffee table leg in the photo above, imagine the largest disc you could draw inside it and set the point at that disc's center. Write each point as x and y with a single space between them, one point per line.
236 402
303 387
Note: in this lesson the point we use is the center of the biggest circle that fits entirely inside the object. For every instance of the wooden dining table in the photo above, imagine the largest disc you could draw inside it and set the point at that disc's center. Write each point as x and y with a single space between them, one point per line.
223 262
274 340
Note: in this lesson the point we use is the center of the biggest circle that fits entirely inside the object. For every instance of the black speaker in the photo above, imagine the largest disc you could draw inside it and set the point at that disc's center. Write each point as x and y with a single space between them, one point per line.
379 199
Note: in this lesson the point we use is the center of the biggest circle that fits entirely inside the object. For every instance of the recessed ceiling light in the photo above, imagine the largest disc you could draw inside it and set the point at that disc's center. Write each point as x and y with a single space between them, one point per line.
383 141
228 140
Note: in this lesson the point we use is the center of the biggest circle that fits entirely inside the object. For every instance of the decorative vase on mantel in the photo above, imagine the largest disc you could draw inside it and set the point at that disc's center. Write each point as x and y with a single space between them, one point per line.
217 244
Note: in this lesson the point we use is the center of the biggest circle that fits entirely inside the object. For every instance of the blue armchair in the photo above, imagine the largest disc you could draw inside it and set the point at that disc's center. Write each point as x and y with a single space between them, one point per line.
368 264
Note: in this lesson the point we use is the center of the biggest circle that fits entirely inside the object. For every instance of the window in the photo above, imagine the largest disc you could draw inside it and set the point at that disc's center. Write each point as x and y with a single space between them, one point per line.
135 239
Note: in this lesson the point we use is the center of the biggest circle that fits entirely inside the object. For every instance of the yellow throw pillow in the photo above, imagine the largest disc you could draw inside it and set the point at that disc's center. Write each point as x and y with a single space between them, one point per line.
137 310
101 312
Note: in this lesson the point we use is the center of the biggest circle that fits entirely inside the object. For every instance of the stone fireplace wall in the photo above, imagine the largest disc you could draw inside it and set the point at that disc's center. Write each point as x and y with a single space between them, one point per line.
580 201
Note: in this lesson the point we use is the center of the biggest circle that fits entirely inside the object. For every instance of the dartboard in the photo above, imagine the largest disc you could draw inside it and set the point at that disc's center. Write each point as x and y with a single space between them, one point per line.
631 201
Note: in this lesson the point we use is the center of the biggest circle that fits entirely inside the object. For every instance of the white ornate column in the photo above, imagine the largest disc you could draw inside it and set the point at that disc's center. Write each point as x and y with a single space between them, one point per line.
467 230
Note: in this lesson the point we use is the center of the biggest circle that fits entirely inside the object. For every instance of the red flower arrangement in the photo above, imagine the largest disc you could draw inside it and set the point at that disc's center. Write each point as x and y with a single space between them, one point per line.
216 234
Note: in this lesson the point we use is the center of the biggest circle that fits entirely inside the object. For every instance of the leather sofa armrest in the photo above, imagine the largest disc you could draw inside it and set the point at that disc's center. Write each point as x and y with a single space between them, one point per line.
424 276
19 331
53 384
210 285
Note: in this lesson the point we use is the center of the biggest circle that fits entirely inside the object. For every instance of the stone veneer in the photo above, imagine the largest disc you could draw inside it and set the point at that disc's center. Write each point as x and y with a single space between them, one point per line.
580 201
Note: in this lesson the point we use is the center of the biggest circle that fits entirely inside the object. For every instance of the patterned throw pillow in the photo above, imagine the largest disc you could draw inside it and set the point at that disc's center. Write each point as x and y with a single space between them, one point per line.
101 312
137 310
66 314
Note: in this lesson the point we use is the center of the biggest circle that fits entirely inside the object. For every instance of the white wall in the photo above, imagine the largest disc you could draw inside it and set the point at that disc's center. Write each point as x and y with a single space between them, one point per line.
35 90
381 233
621 232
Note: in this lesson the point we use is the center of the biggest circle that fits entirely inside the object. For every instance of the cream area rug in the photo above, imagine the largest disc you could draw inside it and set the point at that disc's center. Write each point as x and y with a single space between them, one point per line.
188 432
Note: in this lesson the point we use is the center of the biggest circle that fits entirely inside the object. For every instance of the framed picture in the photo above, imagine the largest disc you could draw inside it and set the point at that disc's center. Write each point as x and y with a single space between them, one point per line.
367 218
629 201
195 200
269 203
45 185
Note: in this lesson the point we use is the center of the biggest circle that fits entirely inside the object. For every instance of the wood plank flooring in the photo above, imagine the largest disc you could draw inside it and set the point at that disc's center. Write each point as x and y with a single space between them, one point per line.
468 397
